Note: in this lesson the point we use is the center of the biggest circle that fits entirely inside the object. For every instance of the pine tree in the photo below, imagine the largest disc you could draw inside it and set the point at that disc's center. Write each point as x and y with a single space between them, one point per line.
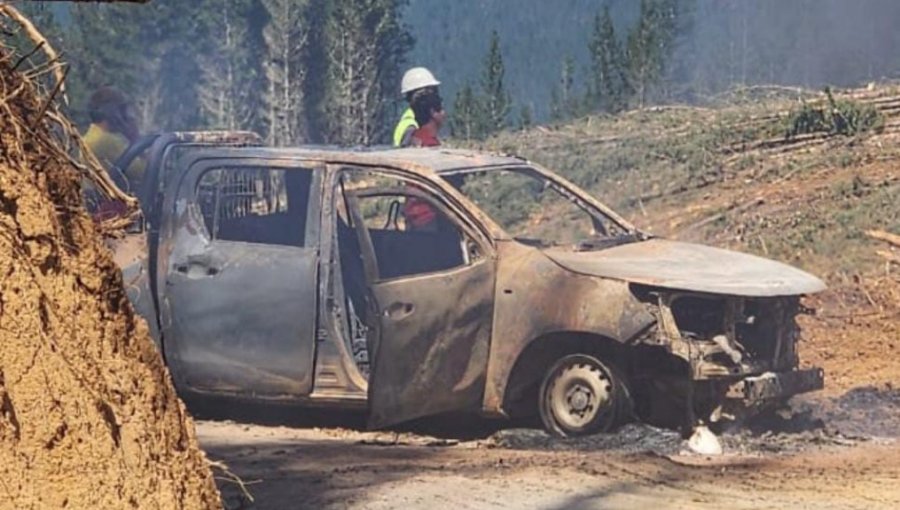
230 74
642 55
467 121
672 16
651 44
103 54
317 71
365 44
287 37
526 117
171 34
148 51
496 101
556 113
564 103
608 88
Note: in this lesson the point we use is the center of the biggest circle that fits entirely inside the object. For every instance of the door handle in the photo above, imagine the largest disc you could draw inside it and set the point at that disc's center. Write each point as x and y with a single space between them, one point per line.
196 268
398 310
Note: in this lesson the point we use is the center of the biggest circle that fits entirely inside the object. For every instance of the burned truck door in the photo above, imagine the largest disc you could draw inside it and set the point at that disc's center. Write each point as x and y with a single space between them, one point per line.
239 256
431 287
162 154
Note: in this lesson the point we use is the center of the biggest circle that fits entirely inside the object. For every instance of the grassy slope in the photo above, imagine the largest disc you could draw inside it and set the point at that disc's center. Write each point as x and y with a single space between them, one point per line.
727 175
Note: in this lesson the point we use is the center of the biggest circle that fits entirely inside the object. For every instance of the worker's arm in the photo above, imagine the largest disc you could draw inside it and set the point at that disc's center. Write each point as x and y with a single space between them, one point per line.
135 173
407 139
107 147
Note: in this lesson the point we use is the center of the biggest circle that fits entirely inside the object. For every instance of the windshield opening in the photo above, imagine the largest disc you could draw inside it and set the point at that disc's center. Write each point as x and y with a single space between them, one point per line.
534 209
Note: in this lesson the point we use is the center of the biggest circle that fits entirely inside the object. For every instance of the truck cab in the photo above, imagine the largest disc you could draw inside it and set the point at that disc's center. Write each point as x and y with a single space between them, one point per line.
397 281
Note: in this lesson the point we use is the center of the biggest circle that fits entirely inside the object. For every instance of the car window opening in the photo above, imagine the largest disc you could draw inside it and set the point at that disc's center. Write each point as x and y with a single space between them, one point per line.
255 205
532 208
410 235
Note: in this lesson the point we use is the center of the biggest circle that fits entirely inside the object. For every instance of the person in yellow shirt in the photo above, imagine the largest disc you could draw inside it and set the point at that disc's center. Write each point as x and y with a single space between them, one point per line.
113 129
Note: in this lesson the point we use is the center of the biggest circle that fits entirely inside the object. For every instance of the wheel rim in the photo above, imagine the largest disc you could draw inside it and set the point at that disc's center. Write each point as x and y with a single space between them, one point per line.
581 397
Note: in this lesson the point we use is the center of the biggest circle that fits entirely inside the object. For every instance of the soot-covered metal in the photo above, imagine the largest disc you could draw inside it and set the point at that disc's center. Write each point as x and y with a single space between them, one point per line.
345 278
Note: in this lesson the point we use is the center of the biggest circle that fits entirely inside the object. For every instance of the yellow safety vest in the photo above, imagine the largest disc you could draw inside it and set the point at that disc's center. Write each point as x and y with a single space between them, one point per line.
407 120
108 146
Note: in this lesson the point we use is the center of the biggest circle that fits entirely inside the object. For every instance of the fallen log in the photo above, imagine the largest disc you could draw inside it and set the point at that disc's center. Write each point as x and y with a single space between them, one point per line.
881 235
733 208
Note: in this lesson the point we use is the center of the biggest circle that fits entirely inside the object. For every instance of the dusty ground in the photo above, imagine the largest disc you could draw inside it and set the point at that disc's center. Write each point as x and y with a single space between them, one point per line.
839 453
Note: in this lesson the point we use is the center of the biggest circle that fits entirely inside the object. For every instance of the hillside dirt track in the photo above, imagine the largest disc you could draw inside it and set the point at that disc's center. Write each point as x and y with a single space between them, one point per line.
835 453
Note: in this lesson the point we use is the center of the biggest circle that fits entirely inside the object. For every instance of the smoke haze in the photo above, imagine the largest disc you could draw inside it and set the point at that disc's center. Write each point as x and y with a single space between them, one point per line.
810 43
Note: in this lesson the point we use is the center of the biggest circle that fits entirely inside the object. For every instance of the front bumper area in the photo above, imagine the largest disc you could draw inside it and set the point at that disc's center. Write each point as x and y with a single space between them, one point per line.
776 385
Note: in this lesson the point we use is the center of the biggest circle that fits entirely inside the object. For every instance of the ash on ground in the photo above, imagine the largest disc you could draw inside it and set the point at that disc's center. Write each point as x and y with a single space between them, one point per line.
632 438
867 411
860 415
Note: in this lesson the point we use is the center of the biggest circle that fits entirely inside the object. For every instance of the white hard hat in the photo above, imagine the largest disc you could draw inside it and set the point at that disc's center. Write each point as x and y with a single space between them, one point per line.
417 78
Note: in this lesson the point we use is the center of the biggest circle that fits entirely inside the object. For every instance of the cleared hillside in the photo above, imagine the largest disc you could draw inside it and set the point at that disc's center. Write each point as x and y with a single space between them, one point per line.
740 174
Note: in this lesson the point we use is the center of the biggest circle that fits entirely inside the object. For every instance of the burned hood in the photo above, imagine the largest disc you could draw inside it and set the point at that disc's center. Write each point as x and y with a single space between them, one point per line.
693 267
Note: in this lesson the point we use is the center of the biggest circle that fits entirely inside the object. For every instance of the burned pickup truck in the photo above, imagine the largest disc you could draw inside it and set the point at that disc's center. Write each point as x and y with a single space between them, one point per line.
416 282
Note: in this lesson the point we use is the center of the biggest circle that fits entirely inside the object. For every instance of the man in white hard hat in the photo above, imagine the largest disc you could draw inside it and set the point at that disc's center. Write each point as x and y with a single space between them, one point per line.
416 81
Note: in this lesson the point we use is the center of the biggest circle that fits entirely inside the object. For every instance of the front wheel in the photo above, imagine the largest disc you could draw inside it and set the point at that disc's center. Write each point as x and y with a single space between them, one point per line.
581 395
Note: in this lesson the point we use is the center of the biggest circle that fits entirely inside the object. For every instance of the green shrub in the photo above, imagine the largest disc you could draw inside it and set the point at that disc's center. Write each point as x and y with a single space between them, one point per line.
839 117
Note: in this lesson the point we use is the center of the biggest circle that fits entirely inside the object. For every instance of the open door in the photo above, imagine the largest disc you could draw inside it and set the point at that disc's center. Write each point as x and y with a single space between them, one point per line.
431 289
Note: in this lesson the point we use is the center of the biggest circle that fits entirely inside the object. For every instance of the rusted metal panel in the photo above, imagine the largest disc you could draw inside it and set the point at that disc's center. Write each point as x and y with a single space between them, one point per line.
440 159
242 317
777 385
151 195
337 378
536 297
685 266
130 254
432 353
430 331
237 317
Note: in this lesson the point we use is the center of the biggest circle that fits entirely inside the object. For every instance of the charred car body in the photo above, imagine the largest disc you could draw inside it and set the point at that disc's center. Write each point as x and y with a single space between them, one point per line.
415 282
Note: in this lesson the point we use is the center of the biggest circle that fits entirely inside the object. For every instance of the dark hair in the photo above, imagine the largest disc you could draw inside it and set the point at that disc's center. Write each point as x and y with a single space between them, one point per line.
108 104
424 105
104 102
413 94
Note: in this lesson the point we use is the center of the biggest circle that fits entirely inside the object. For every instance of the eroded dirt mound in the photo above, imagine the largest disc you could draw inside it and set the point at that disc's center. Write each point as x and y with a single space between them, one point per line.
88 414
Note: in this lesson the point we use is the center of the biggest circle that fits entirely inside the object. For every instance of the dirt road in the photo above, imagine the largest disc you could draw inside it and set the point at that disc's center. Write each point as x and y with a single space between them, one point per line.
853 461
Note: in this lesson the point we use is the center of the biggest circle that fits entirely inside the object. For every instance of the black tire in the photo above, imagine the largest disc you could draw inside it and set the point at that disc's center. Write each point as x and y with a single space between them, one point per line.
581 395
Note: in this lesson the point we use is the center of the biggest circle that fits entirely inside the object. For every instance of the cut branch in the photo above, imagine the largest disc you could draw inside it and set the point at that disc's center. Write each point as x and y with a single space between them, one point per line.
35 35
881 235
734 208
